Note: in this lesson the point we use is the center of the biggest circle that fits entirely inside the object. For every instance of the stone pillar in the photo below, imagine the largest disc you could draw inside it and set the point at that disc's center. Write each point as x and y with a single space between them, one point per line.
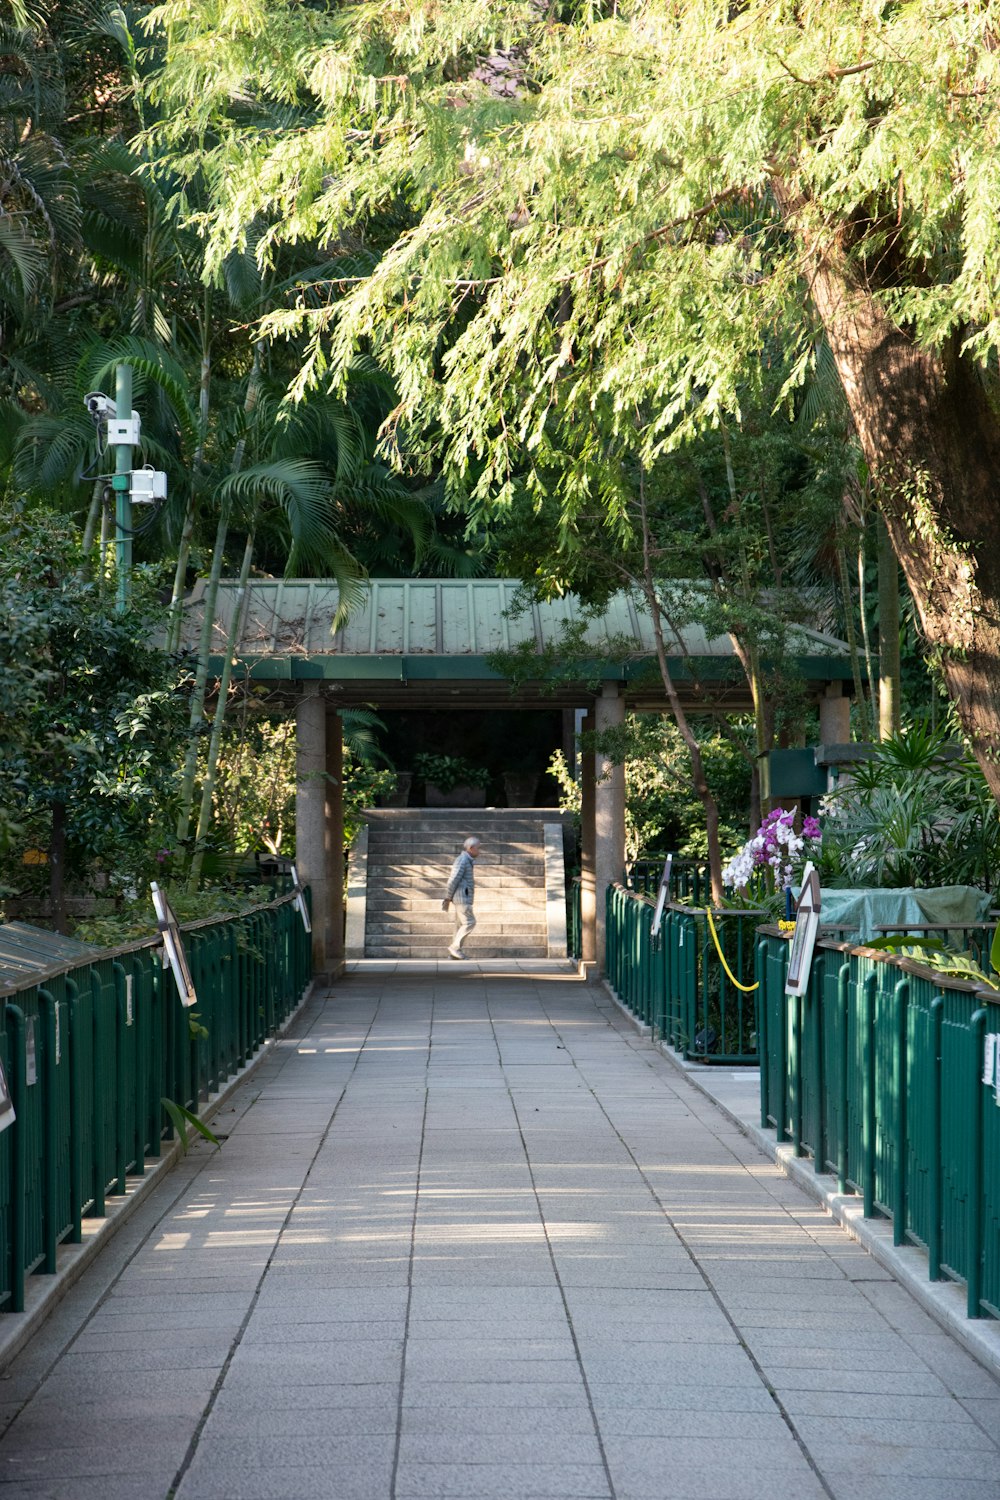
569 738
834 716
609 811
588 907
310 815
335 843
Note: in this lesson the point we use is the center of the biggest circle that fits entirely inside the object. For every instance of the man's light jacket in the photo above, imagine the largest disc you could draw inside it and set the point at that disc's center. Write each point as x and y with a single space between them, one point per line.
462 884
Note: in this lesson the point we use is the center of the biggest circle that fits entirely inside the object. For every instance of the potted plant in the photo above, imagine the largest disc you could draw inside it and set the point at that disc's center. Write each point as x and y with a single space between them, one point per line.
452 781
520 788
398 793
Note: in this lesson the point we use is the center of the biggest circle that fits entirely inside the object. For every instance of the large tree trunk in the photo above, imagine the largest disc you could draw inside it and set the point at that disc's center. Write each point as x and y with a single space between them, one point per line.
932 442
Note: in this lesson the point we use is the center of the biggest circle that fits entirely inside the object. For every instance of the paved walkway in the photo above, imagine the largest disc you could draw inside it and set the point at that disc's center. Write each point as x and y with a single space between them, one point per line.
471 1236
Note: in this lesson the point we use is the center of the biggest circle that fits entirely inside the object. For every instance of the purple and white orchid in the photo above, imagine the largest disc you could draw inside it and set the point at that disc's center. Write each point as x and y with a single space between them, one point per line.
777 848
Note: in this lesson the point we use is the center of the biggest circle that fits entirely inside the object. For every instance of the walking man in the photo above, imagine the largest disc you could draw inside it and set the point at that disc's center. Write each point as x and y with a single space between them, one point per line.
461 890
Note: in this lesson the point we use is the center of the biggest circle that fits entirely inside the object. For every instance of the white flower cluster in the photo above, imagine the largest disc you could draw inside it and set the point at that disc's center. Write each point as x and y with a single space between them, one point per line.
775 847
740 868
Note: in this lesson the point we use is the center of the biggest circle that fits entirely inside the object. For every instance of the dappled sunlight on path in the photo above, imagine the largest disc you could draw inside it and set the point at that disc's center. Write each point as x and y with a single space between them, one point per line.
469 1235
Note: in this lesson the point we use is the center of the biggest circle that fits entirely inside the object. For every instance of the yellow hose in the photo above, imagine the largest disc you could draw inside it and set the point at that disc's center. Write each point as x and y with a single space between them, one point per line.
746 988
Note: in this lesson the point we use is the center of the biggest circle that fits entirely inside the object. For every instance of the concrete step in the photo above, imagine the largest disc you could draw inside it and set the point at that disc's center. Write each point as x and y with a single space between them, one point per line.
405 917
406 872
386 931
517 898
419 859
446 818
379 838
474 950
409 860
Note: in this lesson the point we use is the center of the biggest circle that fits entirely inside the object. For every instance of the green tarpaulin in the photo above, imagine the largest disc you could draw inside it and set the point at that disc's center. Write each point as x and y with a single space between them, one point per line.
864 912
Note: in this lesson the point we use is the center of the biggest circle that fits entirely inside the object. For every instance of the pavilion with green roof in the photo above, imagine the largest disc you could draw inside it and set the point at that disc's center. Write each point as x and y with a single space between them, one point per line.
430 644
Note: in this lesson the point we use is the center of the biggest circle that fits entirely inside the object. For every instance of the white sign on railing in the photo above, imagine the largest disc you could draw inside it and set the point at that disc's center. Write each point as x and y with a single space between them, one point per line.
661 896
173 946
7 1115
300 900
804 937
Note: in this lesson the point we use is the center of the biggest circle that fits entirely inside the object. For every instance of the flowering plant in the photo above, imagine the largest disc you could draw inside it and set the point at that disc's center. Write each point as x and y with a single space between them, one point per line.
776 849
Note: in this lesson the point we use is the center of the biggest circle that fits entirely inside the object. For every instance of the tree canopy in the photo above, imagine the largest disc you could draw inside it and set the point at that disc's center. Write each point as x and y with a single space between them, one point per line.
578 232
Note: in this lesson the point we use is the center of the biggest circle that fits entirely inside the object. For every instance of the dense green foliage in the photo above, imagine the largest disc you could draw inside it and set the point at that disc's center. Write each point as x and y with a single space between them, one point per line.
599 234
662 812
580 236
590 294
918 813
92 721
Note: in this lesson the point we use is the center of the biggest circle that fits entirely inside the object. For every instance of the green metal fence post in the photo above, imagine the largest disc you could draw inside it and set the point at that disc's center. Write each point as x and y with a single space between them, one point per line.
101 1095
843 1103
15 1015
793 1009
814 1004
47 1003
974 1219
868 1134
936 1164
781 1114
901 1071
121 1079
75 1111
763 969
141 1022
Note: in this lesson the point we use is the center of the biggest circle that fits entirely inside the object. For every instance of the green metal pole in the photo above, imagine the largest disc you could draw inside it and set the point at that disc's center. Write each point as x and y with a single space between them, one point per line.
902 1000
123 504
974 1207
934 1236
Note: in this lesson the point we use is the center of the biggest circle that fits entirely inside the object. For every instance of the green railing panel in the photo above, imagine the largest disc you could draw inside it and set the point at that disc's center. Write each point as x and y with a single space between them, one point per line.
6 1188
877 1073
574 928
27 1070
677 983
958 1117
91 1054
56 1082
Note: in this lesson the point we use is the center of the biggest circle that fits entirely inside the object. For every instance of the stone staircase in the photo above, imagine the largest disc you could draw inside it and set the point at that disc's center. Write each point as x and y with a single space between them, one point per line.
400 866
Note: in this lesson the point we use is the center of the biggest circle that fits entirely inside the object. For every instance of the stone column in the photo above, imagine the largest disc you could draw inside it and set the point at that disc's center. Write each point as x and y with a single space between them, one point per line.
569 737
834 716
609 811
588 908
310 814
335 843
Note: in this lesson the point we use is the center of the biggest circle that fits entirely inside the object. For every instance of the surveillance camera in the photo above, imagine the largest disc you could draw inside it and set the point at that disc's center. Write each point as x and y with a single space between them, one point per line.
101 407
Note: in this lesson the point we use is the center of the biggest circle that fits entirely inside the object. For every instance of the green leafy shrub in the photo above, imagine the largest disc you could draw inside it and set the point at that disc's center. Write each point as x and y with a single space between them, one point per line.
918 813
449 771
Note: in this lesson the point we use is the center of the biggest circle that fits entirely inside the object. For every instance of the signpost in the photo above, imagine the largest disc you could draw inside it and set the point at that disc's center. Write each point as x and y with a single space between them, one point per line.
300 900
173 946
662 896
804 937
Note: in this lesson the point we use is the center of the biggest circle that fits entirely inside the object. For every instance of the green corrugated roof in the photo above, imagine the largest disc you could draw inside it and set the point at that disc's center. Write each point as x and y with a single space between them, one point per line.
445 618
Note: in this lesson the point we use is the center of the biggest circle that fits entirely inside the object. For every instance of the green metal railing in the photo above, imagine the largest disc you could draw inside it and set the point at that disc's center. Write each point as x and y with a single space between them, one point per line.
678 984
91 1050
876 1073
574 925
689 878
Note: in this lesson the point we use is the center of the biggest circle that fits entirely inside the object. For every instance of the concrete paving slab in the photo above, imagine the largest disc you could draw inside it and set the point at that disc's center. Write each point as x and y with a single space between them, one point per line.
139 1484
504 1481
514 1240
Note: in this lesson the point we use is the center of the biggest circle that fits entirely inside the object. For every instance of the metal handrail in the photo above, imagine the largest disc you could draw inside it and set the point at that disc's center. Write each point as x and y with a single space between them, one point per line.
92 1048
